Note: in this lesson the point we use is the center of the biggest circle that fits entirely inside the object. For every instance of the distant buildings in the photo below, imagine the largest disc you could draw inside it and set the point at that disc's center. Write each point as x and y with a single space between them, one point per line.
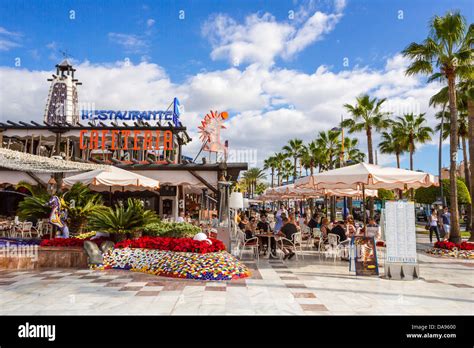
459 171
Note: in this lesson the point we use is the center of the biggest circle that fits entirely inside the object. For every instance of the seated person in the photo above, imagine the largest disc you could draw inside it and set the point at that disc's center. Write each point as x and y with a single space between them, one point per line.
250 228
215 221
350 227
313 222
263 227
339 230
373 230
287 231
243 223
325 228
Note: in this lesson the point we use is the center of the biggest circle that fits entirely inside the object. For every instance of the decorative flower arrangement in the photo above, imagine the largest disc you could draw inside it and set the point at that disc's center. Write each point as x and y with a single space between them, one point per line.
464 250
86 235
450 245
69 242
208 266
173 244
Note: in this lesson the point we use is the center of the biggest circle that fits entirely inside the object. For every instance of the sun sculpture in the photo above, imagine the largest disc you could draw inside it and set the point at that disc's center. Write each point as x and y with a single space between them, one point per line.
210 131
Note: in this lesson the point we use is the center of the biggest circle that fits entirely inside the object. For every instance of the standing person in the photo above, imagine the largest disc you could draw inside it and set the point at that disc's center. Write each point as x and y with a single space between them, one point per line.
433 221
446 217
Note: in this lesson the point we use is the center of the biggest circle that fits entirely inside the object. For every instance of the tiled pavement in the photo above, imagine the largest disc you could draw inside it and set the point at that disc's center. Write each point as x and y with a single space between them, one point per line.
311 286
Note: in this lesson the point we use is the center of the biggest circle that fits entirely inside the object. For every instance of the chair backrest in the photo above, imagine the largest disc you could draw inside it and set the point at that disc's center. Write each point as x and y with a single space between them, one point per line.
317 233
240 235
297 238
27 225
333 239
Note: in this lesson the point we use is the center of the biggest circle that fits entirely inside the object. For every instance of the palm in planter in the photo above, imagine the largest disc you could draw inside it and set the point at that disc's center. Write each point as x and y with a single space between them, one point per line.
33 207
81 203
122 218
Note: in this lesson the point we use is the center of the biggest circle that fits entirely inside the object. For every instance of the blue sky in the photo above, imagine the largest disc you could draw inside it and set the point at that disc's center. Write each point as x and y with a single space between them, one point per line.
213 58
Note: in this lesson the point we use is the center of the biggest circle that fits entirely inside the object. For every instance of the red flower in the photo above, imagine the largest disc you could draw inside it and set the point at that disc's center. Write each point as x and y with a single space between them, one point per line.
69 242
450 245
173 244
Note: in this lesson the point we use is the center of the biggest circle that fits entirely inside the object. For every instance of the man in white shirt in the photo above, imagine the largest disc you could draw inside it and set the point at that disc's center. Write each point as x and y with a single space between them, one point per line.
180 218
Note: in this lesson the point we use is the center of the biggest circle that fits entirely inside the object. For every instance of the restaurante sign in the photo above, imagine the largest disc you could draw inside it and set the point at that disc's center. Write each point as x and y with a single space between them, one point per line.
135 115
142 140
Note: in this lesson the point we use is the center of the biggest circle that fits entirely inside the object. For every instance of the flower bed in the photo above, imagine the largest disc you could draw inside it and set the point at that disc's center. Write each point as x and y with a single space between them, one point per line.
450 245
205 266
173 244
464 250
69 242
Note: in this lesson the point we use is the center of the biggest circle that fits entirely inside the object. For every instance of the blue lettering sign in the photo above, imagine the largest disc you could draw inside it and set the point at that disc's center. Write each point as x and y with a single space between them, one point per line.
121 115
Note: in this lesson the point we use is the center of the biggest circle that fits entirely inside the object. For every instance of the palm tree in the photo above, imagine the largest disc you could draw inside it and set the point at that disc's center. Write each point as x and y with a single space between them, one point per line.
448 49
287 170
279 159
293 150
253 176
366 115
463 99
351 149
392 144
412 130
311 156
329 143
271 163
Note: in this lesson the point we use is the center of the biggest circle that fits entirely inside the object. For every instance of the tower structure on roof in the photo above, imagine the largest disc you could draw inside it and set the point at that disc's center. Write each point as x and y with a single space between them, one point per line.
62 103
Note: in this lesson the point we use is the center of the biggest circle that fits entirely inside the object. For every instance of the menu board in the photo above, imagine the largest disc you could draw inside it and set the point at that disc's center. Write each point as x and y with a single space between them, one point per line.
400 231
365 258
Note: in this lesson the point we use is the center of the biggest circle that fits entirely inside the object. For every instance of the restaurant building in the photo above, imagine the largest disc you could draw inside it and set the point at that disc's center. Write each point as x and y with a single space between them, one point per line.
149 143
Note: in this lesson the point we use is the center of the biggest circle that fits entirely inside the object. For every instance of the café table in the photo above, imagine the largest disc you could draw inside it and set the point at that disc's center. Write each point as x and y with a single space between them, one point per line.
269 246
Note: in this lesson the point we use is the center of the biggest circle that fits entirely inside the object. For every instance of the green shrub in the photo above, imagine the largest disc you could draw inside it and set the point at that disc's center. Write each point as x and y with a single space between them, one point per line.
385 195
122 218
428 195
171 229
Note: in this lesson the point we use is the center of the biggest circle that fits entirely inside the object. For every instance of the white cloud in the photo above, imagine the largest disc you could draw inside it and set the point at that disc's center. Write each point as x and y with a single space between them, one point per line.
261 38
312 30
150 22
9 39
131 43
268 106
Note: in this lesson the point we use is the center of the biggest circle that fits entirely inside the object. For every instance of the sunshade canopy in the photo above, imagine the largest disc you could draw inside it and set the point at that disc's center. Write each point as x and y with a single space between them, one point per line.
290 191
368 175
113 178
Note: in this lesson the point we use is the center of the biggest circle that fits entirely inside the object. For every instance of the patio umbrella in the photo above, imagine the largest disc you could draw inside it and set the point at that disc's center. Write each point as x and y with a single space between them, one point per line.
113 179
290 191
367 176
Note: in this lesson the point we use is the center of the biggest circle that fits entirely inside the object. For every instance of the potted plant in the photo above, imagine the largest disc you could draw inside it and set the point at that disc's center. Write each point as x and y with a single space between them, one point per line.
123 220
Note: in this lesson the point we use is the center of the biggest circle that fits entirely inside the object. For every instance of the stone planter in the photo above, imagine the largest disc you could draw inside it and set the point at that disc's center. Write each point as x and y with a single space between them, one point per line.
44 257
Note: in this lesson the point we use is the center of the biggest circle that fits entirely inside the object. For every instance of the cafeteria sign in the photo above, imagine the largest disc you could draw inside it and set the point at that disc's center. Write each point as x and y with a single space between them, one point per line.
364 256
142 140
135 115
